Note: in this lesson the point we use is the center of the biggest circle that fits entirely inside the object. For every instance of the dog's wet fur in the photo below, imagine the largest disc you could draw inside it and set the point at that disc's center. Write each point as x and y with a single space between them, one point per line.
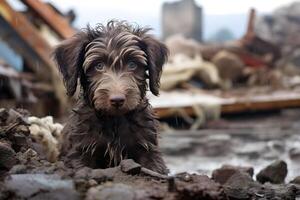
115 64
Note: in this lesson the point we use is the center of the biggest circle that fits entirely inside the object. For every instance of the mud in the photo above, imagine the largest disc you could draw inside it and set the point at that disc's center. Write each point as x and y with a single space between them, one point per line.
30 176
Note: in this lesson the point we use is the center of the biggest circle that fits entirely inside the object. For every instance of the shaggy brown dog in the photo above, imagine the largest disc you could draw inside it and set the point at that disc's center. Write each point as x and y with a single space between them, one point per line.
112 119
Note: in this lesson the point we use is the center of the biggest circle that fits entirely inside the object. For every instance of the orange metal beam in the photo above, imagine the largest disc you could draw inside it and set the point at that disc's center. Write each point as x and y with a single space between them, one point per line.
58 23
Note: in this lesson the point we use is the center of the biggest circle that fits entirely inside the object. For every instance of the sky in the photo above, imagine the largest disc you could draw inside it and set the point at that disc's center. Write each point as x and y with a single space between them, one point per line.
217 13
152 7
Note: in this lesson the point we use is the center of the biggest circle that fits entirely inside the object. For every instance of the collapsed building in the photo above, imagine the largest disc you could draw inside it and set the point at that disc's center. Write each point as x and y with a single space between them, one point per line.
182 17
28 75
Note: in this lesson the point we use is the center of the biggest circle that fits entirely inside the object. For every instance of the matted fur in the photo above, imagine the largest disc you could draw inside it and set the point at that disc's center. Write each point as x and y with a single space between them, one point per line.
112 62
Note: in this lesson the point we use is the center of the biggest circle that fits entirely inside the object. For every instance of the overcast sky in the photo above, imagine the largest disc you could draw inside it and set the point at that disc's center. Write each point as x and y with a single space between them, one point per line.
148 12
152 7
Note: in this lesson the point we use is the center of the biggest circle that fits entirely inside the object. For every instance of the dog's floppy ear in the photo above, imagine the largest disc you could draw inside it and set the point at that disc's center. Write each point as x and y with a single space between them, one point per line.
69 56
157 55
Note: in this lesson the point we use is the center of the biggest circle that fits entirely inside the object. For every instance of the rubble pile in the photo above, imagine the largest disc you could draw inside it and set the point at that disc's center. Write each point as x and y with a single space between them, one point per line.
267 55
28 76
26 174
282 28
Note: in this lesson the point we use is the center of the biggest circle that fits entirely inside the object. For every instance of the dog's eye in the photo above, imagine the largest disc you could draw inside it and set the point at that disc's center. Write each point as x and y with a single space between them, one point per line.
100 66
132 65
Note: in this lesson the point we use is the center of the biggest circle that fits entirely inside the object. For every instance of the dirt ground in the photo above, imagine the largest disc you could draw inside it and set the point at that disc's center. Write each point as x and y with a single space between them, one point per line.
27 175
248 140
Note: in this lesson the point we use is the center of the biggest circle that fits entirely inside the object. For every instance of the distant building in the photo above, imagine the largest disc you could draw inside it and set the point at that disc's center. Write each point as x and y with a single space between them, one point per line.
183 17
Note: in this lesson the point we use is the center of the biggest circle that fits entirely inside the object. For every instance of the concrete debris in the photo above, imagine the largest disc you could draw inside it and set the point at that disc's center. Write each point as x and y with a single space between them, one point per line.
111 192
224 173
198 187
274 173
40 186
28 175
130 167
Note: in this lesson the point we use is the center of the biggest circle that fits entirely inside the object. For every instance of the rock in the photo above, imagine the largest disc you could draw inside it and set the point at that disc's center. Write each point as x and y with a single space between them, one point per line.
82 173
280 192
222 174
239 180
98 175
237 186
130 167
198 187
30 154
40 186
241 186
230 66
92 183
103 175
18 169
7 157
296 180
111 192
3 116
15 116
274 173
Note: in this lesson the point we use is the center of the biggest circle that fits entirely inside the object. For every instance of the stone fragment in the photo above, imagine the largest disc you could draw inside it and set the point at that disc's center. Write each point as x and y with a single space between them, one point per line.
222 174
41 186
274 173
198 187
130 167
111 192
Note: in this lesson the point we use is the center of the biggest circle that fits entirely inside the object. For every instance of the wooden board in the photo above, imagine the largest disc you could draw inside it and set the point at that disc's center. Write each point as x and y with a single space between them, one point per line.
165 105
58 23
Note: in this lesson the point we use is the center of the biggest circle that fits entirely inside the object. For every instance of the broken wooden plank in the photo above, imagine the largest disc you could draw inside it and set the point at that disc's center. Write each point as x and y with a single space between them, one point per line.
165 106
260 106
33 47
58 23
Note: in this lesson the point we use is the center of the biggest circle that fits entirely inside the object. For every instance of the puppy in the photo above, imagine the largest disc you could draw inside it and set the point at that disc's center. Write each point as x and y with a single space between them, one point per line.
114 64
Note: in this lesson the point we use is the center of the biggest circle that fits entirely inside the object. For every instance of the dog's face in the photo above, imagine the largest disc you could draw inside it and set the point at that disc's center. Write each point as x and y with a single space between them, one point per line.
113 63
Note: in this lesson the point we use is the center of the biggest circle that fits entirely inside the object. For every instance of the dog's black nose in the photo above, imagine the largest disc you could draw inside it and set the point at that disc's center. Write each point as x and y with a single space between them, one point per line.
117 100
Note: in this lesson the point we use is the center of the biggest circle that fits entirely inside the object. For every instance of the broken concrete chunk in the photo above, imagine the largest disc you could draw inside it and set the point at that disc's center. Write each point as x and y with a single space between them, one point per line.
222 174
242 186
7 157
274 173
102 175
15 117
237 186
130 167
199 187
82 173
18 169
111 192
296 180
41 186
